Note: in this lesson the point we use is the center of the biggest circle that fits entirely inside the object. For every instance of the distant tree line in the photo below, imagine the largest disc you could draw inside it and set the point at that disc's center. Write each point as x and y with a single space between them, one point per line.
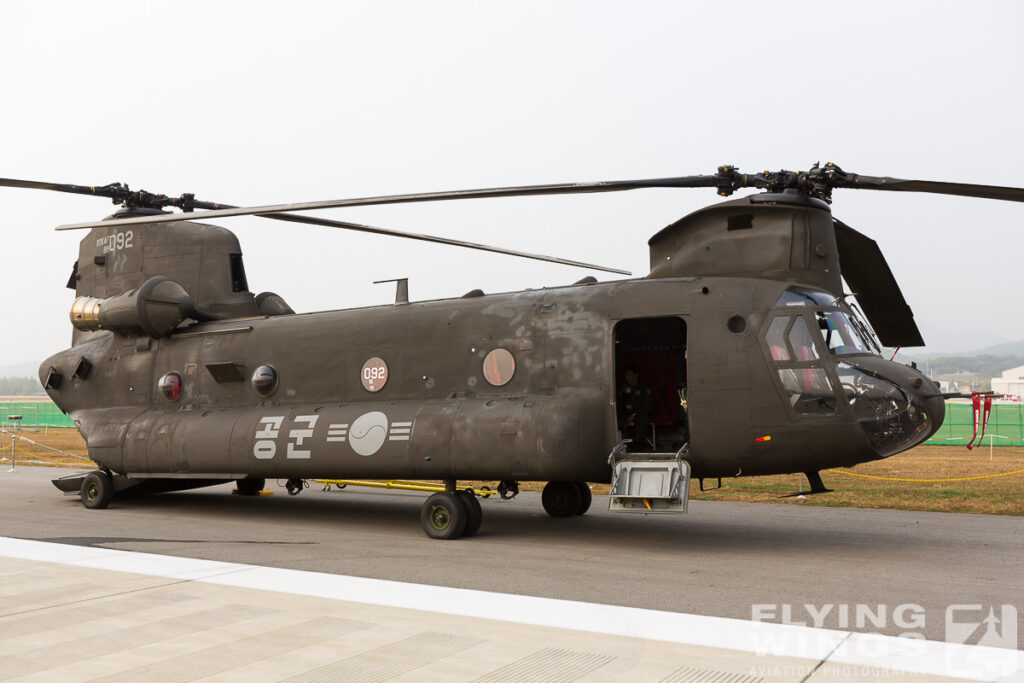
985 365
20 386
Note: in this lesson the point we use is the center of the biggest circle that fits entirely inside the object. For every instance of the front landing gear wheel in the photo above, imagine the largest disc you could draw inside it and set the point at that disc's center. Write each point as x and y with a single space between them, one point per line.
250 487
97 490
585 497
562 498
443 516
474 515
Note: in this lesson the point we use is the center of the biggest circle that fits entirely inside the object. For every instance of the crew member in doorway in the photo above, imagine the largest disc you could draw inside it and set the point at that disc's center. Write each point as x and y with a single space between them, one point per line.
635 405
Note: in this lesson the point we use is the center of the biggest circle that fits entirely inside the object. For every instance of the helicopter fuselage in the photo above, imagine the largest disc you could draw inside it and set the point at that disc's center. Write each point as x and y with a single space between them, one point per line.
445 402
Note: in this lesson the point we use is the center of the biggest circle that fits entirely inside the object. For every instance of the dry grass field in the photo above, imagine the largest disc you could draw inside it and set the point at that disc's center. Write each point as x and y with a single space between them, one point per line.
998 495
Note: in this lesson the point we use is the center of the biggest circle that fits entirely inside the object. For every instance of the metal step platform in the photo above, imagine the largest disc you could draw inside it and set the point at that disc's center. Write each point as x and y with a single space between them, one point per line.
648 482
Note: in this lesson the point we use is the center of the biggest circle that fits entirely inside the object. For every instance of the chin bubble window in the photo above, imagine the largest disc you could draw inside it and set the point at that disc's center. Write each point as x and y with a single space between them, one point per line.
264 380
499 366
170 386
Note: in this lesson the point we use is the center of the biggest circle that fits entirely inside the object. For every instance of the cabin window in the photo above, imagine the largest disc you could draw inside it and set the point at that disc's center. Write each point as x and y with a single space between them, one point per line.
264 380
170 386
238 282
499 366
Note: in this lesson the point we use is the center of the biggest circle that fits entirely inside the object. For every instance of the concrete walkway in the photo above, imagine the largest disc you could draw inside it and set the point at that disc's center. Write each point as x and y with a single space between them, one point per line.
73 613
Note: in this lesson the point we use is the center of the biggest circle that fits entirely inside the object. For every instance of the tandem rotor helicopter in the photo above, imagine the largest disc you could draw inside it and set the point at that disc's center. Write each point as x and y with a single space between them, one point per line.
753 358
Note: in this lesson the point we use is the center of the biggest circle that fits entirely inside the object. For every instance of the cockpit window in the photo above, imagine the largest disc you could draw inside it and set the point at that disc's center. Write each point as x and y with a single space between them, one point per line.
798 296
809 390
776 338
801 342
801 372
839 334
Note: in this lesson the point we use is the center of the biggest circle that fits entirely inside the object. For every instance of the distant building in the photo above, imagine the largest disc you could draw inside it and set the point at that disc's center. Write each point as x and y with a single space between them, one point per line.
1011 383
963 382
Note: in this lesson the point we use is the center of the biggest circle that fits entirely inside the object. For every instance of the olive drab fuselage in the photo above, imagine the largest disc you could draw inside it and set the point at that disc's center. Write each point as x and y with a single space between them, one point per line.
741 303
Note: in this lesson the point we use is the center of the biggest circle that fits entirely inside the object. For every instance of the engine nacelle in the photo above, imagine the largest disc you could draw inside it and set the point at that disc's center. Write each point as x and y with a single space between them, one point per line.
153 309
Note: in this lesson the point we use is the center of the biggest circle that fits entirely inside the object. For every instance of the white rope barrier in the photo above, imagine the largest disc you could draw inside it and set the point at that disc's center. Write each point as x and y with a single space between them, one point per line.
41 445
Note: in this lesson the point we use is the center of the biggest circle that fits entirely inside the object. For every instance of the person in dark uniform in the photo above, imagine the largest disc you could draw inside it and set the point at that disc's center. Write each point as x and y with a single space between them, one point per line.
635 407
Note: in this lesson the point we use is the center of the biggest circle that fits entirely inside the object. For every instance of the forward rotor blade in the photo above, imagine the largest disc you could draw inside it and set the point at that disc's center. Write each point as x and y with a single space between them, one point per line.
37 185
425 238
867 182
521 191
866 271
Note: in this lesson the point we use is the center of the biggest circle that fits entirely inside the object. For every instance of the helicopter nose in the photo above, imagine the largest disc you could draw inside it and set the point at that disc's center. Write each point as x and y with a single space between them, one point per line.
931 396
896 406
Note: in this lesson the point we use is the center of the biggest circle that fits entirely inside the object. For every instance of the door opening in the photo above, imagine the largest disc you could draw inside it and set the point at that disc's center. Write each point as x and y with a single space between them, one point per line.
650 383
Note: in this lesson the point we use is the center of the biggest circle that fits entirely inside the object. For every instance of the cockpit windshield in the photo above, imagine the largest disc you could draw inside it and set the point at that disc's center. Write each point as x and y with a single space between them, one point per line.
842 329
839 334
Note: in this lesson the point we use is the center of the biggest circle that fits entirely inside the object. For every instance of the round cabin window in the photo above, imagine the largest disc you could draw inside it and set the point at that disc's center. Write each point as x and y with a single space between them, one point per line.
374 374
264 380
170 386
499 366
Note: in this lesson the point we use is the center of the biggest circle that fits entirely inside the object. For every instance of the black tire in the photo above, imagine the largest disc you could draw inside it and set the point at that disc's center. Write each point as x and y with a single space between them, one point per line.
443 516
561 498
250 486
474 514
585 497
97 490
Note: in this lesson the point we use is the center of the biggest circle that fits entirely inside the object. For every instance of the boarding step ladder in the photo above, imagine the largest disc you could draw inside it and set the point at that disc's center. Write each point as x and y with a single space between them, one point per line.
649 482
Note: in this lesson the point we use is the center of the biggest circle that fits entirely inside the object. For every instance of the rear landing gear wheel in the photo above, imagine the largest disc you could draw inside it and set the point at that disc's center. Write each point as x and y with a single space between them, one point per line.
97 490
443 516
474 515
562 498
250 487
585 497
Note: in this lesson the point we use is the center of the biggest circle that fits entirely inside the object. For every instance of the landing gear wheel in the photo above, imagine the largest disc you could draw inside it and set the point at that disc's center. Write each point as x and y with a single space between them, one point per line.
561 498
250 487
474 515
443 516
585 497
97 490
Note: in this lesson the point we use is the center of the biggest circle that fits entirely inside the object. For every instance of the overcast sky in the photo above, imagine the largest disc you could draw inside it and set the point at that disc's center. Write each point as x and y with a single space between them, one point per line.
257 103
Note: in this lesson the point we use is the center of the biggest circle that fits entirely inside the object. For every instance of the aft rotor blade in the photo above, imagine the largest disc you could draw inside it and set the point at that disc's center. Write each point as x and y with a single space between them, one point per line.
345 225
521 191
866 271
867 182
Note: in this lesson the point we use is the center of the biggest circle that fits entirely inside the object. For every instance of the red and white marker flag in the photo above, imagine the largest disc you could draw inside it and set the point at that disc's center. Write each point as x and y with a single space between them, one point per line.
976 410
986 411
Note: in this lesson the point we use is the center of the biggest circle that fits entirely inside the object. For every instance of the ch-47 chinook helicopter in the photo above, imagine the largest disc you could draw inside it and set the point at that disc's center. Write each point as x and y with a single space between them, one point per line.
757 361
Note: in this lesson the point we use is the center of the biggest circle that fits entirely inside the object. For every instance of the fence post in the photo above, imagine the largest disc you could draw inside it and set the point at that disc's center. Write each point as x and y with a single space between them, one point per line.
14 440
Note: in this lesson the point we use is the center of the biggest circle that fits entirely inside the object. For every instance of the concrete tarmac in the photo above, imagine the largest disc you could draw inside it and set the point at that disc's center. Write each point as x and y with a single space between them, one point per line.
721 559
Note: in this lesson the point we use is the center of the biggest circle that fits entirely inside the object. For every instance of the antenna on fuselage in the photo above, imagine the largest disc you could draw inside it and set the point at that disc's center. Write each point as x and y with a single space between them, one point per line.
401 289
